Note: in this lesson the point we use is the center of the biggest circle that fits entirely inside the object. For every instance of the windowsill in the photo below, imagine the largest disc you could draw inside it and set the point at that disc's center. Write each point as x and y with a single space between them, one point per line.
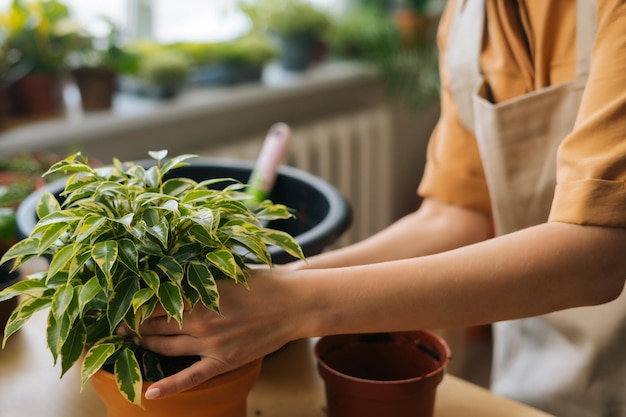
281 95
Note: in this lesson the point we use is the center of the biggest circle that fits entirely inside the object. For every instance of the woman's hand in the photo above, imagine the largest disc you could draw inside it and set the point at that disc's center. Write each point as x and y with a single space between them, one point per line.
254 322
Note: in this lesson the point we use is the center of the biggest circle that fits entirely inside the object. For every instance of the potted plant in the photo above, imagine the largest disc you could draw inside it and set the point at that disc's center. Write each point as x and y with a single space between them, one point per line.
360 33
128 238
43 34
297 24
164 72
413 21
227 63
96 66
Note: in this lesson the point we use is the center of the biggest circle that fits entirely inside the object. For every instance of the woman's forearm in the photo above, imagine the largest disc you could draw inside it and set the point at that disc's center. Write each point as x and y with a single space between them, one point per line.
542 269
434 227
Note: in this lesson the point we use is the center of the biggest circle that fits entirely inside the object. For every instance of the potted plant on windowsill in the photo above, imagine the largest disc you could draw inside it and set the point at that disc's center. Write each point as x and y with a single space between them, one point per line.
43 34
228 63
297 24
96 66
126 239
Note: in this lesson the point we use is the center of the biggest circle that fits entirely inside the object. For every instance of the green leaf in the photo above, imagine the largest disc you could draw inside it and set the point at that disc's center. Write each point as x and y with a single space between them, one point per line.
274 212
223 259
23 248
88 226
104 255
47 204
141 297
176 162
171 299
152 176
121 301
198 195
79 260
22 313
128 376
88 292
158 155
128 254
73 346
284 241
31 287
50 235
61 260
61 300
68 217
151 217
171 269
160 231
149 247
52 337
201 279
152 279
176 186
253 243
65 167
95 358
152 366
78 182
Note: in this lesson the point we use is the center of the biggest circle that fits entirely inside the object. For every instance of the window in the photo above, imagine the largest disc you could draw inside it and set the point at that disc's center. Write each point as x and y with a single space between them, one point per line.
169 20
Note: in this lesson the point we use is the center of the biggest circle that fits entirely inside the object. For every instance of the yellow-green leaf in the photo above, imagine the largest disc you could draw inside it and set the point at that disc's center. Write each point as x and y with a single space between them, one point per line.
105 254
96 356
128 376
61 260
201 279
223 259
171 299
47 204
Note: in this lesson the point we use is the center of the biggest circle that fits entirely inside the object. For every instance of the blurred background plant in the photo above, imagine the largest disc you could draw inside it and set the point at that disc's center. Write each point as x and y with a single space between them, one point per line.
298 26
397 38
20 175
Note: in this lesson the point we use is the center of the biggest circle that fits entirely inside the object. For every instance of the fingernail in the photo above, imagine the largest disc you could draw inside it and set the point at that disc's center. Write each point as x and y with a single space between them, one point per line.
136 340
121 331
152 393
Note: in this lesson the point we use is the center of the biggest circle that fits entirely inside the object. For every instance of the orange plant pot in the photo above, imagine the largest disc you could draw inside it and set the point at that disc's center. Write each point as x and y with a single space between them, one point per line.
223 396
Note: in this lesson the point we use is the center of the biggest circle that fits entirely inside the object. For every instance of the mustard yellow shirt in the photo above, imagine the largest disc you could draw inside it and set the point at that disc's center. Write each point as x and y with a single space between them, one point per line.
529 45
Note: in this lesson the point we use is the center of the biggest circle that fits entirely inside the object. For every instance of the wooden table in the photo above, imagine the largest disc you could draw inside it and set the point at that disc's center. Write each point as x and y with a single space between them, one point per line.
288 386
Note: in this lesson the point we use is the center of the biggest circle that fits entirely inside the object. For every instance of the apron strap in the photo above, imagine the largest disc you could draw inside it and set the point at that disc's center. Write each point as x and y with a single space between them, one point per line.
586 27
462 60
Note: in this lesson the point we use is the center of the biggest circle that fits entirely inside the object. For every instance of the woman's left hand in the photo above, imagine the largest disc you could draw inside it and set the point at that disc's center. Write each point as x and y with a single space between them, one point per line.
254 322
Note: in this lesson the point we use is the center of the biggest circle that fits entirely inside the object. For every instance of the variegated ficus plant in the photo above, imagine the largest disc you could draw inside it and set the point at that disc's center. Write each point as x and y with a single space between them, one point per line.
126 239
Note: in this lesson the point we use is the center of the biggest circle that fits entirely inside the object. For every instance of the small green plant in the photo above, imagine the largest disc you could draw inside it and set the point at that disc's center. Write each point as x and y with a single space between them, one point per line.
41 32
126 239
165 68
286 17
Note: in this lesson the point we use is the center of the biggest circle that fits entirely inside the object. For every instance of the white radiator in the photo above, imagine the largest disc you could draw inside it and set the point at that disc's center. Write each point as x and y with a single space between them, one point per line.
353 152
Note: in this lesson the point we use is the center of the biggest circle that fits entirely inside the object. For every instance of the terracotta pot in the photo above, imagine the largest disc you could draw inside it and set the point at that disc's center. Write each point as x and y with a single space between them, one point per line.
412 26
96 86
223 396
37 94
382 374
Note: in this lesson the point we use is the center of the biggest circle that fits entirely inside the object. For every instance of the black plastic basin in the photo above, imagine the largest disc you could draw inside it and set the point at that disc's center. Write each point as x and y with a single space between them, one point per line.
322 213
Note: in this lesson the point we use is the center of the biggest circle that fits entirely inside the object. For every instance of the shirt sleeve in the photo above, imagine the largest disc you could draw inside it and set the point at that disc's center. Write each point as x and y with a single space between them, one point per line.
453 172
591 176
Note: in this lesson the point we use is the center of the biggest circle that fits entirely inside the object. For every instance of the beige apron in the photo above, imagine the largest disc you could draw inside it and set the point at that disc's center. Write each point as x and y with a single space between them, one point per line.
571 363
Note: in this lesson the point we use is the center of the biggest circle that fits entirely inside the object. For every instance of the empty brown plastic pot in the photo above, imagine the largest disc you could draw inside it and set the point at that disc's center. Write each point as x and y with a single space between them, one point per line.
382 374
